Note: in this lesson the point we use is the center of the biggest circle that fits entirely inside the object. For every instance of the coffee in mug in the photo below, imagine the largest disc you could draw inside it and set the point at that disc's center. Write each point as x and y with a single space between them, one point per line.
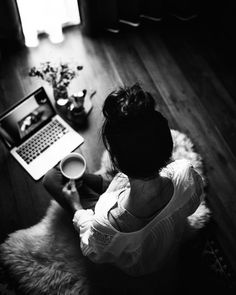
73 166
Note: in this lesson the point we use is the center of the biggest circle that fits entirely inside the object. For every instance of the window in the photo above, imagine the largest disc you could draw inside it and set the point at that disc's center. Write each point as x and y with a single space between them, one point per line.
47 16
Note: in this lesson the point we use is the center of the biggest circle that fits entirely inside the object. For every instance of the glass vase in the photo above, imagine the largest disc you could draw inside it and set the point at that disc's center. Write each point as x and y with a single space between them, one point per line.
60 93
61 99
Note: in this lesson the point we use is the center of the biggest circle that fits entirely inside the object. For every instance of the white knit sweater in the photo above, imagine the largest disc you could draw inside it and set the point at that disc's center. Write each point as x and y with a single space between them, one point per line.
147 249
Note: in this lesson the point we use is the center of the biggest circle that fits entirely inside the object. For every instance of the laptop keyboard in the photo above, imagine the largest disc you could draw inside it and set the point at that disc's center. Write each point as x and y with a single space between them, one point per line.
41 141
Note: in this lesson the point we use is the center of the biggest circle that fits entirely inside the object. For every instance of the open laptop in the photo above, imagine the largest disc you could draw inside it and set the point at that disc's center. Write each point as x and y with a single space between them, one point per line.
37 137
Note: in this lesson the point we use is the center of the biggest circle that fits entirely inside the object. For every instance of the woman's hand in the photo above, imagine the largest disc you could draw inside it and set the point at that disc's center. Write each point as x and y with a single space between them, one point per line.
72 196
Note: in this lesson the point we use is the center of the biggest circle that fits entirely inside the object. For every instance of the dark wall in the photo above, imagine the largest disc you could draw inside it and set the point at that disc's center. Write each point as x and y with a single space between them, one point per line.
97 14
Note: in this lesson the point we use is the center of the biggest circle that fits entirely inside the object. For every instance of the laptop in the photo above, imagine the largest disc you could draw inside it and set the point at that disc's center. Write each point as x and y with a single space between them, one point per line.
37 137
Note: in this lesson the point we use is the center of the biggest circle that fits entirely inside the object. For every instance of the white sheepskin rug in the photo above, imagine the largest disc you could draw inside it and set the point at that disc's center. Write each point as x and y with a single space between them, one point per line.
46 258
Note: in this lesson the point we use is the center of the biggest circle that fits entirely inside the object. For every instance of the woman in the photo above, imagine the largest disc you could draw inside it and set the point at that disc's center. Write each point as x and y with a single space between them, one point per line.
140 219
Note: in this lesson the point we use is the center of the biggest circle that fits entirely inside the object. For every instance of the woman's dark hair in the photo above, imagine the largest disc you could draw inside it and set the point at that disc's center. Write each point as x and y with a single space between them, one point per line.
137 136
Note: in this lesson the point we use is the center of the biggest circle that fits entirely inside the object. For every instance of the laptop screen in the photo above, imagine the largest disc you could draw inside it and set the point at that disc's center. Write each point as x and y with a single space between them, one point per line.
24 119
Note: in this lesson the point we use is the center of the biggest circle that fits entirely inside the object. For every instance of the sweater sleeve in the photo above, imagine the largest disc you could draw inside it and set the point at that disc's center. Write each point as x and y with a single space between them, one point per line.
82 221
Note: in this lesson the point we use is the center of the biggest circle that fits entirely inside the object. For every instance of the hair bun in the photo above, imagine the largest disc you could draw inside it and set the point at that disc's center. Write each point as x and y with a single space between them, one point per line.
128 104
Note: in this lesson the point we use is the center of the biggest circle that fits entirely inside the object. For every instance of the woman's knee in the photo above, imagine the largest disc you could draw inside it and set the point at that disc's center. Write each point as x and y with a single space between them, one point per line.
53 181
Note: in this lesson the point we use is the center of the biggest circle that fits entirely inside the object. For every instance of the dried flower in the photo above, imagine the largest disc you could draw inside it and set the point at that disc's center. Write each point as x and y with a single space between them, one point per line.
57 75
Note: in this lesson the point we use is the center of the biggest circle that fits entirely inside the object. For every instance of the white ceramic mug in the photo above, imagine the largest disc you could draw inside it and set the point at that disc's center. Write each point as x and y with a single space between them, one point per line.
73 167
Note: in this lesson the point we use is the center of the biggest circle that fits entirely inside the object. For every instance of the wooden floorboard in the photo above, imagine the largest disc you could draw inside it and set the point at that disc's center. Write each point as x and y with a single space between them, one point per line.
122 51
207 85
197 121
189 88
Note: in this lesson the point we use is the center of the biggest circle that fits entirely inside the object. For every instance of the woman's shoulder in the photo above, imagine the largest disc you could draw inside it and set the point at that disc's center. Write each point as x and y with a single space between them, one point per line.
120 181
183 175
176 167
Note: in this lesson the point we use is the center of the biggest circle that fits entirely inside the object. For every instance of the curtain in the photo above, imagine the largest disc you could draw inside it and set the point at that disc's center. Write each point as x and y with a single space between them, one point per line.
10 25
47 16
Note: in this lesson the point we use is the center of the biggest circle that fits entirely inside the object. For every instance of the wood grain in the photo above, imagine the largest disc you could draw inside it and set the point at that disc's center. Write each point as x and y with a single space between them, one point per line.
189 88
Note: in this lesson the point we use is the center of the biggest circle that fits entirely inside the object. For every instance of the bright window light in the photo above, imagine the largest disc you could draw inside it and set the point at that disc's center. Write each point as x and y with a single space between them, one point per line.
47 16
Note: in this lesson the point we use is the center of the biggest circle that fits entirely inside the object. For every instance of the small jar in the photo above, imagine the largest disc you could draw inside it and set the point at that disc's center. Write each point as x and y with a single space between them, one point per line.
75 110
62 105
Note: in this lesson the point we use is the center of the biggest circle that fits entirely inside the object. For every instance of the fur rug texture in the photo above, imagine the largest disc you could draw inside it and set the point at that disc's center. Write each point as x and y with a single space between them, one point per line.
46 258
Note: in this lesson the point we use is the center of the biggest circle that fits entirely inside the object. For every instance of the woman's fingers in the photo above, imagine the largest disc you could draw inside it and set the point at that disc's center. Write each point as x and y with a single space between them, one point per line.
67 188
72 186
70 190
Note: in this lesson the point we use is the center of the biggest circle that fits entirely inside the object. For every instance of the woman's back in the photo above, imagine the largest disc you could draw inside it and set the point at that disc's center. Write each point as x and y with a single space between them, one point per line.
141 204
144 250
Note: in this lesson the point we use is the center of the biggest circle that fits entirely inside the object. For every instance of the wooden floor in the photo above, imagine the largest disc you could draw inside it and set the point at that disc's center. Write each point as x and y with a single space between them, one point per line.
193 80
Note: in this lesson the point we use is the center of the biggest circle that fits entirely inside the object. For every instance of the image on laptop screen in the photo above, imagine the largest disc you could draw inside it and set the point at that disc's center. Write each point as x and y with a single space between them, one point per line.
26 118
